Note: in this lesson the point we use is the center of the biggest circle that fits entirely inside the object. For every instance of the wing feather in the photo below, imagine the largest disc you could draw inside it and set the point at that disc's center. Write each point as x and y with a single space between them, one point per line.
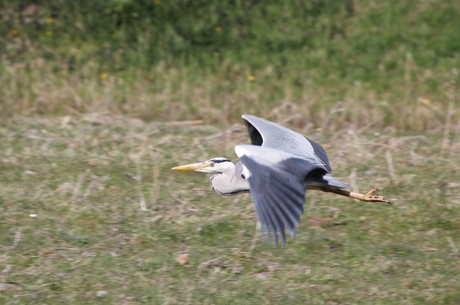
276 182
271 135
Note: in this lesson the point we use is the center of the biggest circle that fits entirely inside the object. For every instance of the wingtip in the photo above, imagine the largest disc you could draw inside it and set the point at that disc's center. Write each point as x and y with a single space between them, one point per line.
246 117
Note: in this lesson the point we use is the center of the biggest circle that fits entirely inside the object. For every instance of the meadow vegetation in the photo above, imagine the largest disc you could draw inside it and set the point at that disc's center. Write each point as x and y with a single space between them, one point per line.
101 98
92 214
390 63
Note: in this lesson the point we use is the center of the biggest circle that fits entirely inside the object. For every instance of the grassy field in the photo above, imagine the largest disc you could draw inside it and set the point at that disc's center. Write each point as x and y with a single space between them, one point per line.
389 61
99 99
92 214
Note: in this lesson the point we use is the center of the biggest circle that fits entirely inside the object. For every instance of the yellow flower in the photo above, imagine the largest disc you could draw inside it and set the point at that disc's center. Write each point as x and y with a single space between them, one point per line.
104 75
425 101
14 33
251 78
49 20
156 2
49 33
218 29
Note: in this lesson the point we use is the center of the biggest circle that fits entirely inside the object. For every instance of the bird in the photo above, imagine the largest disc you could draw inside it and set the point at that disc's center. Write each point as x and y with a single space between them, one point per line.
277 168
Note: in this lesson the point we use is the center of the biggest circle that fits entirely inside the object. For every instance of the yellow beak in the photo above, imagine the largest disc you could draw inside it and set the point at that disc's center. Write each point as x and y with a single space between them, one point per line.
201 166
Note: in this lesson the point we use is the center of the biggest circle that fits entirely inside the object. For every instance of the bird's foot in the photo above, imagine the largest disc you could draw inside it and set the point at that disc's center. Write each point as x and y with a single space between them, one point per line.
370 196
373 196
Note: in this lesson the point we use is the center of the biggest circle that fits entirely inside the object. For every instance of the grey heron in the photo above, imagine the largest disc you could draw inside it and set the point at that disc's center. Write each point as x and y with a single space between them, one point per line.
277 169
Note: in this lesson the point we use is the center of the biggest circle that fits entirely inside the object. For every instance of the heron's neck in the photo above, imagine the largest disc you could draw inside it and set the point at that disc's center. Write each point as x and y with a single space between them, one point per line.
229 183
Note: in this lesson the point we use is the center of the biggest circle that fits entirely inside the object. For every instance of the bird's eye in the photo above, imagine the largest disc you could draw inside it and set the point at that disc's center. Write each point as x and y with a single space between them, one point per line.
211 164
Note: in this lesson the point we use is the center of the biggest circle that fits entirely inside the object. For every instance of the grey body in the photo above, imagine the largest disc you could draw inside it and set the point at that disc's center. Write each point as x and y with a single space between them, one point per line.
277 169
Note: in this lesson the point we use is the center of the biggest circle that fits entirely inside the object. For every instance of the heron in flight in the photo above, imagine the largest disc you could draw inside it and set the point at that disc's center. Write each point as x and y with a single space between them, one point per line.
276 169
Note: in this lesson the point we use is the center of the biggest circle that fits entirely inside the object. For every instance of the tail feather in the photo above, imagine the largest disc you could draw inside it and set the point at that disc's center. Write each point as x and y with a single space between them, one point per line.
325 183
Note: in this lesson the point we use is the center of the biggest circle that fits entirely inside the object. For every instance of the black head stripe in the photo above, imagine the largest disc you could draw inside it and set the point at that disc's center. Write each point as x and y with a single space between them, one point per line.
219 160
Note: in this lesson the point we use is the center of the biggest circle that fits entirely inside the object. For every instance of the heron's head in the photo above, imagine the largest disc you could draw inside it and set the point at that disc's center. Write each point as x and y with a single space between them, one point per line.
211 166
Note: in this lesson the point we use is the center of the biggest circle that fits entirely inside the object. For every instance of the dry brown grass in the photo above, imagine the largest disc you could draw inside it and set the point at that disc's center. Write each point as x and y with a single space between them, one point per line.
166 93
87 178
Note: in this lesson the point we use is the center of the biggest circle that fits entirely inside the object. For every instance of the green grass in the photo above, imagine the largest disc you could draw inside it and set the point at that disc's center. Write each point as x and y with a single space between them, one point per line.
99 101
90 234
177 60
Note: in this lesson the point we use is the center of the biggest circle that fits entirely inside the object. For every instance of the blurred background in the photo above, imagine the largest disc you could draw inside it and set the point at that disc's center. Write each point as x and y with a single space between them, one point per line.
391 64
100 99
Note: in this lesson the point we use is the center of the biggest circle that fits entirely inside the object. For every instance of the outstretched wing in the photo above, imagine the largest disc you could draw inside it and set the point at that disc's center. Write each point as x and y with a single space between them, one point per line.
276 182
268 134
